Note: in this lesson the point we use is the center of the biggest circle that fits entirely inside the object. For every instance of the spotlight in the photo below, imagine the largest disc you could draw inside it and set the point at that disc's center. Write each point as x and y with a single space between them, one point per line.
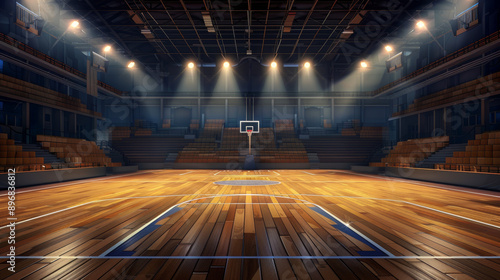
388 48
226 64
107 48
74 24
131 64
274 64
420 24
190 65
364 64
307 65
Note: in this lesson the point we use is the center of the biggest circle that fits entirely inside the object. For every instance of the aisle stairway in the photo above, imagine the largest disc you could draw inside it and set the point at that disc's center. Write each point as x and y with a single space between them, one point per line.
441 155
40 152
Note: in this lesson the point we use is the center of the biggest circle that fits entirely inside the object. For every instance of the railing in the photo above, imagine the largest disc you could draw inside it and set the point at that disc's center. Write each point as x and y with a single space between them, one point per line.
36 53
481 42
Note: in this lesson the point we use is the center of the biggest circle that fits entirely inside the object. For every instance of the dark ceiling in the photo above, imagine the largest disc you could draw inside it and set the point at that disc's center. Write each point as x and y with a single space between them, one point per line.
208 31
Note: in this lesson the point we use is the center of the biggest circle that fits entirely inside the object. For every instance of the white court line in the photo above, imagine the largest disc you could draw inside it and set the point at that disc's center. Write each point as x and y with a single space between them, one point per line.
186 173
309 173
82 181
277 173
415 182
217 172
259 257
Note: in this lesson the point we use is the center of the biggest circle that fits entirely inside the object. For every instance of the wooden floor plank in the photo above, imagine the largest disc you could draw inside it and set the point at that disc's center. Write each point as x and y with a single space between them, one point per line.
405 218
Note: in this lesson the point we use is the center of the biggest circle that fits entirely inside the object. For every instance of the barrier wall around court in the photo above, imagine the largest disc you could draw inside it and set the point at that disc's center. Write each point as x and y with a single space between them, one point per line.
35 178
478 180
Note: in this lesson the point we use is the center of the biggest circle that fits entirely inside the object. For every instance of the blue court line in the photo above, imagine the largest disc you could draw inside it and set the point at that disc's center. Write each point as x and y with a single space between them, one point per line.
120 250
347 230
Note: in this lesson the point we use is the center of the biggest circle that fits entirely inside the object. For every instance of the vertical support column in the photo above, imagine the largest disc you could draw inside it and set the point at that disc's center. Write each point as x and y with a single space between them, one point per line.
444 120
199 109
26 122
483 111
226 111
400 132
272 111
75 128
433 122
332 112
61 122
161 111
253 108
94 130
418 124
362 113
299 115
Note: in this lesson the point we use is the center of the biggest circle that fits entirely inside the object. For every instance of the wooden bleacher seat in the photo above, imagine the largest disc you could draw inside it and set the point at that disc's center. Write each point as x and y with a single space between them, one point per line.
481 155
408 153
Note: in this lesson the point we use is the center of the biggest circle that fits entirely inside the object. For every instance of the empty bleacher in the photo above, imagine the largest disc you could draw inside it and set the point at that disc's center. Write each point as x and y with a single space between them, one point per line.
148 149
456 94
480 155
204 148
409 153
234 145
42 95
13 156
76 152
342 149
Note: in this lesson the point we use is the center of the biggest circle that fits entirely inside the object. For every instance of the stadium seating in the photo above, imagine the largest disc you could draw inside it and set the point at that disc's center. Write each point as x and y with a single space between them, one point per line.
40 55
76 152
342 149
13 156
408 153
481 155
455 94
120 132
35 93
234 145
463 51
149 149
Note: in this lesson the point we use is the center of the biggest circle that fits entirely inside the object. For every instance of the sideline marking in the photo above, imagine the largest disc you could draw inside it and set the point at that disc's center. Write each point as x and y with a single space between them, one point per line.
186 173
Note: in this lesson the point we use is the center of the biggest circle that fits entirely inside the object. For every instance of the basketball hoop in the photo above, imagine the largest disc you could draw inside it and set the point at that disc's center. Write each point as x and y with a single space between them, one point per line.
249 132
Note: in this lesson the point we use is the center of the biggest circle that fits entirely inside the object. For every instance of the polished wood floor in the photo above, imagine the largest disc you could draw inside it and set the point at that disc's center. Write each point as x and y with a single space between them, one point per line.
312 224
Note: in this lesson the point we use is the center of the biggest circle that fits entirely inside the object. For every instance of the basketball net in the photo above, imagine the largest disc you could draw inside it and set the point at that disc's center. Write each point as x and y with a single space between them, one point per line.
249 132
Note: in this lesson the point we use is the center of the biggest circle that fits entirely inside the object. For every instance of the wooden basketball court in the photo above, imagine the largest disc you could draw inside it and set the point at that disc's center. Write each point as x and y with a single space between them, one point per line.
266 224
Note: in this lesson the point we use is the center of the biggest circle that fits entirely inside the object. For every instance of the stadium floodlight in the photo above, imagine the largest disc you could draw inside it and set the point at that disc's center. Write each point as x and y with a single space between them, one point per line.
226 64
307 65
107 48
274 64
388 48
420 24
74 24
131 64
364 64
190 65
